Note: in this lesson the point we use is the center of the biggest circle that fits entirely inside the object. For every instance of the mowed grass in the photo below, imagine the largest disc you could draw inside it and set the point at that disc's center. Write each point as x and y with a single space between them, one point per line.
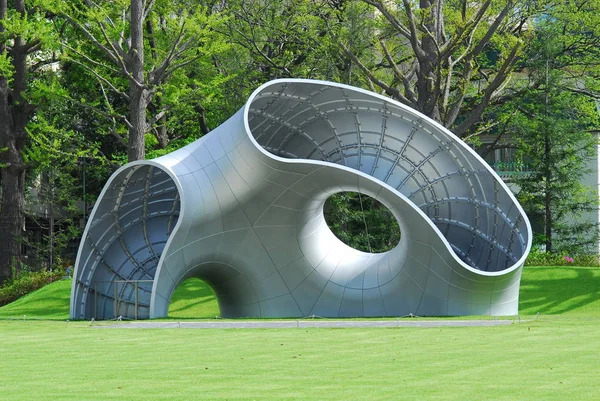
546 359
550 357
565 291
49 302
193 299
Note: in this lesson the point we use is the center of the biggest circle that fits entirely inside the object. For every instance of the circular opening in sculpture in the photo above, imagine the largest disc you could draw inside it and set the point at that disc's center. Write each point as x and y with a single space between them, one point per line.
361 222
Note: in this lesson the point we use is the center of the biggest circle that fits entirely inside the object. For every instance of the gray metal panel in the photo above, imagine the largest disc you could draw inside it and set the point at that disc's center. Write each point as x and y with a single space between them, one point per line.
242 208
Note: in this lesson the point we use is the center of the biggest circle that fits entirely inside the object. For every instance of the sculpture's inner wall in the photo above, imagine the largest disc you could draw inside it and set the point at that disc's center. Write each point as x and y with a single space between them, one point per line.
434 170
125 240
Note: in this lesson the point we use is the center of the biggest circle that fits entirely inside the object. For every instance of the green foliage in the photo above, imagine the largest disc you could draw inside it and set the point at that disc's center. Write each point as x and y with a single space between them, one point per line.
6 66
195 92
361 222
28 46
26 284
180 73
556 147
537 257
54 181
551 127
288 38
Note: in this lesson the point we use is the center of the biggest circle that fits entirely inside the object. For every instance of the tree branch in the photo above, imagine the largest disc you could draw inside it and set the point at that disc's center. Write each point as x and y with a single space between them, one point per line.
108 52
489 91
109 116
470 26
147 8
390 17
414 38
99 77
409 93
158 116
585 92
157 75
391 91
492 29
120 54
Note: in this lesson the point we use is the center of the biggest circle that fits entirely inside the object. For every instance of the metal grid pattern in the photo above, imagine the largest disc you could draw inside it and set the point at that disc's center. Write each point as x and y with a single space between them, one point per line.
247 200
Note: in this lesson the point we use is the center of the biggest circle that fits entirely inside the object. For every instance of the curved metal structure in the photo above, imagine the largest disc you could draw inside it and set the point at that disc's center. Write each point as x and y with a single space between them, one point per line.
242 208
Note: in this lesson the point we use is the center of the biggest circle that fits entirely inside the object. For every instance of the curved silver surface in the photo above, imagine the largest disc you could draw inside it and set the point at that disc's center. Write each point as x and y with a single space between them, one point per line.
242 208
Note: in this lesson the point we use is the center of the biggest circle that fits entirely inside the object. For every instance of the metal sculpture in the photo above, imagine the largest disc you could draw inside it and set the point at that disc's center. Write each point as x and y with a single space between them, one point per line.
242 208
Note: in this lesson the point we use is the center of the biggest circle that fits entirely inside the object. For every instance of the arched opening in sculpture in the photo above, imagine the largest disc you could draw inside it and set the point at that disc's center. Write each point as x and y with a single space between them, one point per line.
124 241
194 298
229 285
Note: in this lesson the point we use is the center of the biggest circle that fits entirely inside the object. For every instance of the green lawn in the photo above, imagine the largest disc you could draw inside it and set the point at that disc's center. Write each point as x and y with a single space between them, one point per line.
192 299
552 357
49 302
565 291
548 359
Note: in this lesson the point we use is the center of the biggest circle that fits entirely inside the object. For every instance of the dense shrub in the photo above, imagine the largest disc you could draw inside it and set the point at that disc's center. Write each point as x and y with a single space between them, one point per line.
15 289
540 258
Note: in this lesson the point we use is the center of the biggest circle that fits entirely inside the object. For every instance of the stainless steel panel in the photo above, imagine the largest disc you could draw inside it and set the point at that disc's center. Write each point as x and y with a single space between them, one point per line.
242 208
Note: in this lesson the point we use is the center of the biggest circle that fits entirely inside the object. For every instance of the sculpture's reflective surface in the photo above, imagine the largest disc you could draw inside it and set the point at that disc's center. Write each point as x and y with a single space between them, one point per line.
242 208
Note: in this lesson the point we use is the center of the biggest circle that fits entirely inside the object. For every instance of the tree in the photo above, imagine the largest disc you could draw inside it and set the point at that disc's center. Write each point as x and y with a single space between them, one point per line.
554 140
293 39
53 188
56 185
26 38
284 39
555 124
447 59
174 34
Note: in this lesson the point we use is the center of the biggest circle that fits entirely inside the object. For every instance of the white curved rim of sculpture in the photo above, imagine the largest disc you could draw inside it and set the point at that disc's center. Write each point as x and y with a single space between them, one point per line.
242 209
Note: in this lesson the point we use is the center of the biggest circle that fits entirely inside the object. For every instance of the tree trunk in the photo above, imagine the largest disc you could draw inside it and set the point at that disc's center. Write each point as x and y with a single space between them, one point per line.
11 221
137 119
162 135
204 128
548 194
12 205
428 83
14 116
160 126
139 95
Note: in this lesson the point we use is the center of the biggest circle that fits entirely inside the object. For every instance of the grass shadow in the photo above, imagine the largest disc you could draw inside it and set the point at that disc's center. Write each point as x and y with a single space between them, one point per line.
559 290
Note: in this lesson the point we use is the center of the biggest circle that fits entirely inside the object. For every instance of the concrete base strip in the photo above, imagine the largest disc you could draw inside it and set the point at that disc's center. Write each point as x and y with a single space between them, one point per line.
289 324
